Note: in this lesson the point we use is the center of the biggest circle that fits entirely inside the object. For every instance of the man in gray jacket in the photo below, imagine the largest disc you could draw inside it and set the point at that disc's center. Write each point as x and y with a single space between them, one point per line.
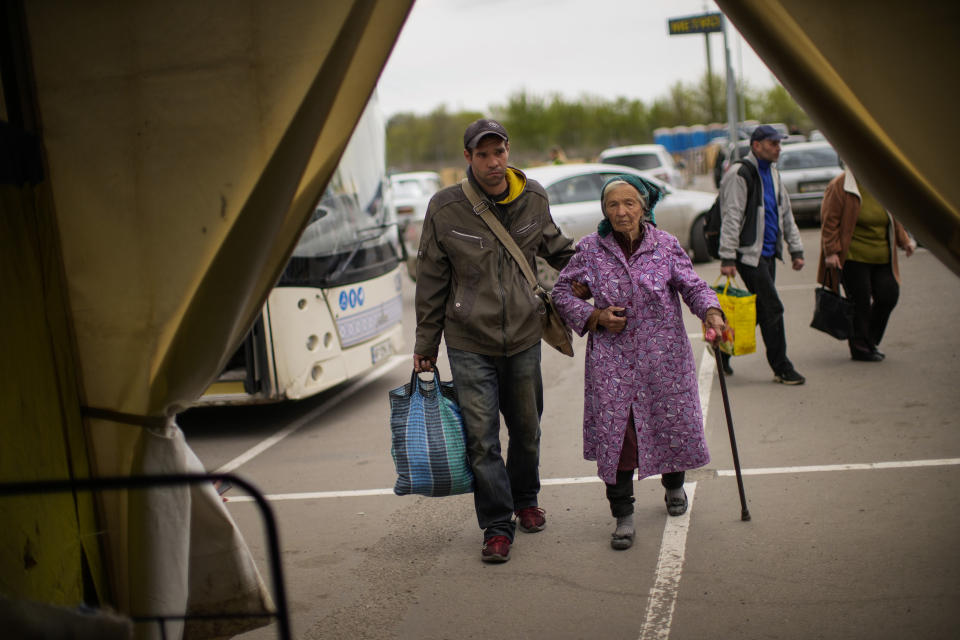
471 291
755 221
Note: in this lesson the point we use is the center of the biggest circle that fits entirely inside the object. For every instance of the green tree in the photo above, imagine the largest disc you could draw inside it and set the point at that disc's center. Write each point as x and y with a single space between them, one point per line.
777 105
582 126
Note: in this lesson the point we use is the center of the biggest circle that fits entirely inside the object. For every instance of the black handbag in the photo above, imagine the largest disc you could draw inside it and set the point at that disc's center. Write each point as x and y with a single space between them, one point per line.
832 313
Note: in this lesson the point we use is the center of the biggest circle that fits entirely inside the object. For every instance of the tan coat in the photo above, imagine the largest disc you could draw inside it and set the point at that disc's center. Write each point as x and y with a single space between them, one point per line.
838 217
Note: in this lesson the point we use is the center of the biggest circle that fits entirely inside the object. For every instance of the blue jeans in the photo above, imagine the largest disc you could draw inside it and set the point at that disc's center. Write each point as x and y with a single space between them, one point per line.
486 387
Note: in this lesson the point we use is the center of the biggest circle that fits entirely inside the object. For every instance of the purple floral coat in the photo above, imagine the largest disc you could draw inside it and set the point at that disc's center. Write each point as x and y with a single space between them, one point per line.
649 366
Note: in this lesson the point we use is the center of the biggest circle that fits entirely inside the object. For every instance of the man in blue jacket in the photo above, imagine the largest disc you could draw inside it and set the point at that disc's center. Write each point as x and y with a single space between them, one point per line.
754 224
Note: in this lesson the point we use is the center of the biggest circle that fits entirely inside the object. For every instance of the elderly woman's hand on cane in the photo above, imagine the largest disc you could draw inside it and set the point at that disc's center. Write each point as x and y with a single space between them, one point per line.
716 325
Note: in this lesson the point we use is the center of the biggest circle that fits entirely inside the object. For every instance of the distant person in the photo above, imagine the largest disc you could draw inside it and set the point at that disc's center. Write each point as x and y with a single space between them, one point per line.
719 158
641 409
471 291
859 238
557 156
755 222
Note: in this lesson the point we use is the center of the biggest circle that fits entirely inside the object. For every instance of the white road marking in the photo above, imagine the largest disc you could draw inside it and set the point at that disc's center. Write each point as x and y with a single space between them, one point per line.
708 367
666 588
673 545
256 450
899 464
865 466
562 481
663 595
319 495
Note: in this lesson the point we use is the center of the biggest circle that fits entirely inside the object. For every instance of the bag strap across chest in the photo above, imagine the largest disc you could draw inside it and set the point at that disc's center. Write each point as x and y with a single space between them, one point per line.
482 208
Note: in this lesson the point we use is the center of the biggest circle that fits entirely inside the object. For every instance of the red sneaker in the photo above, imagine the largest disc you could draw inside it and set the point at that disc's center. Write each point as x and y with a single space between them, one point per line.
531 519
496 549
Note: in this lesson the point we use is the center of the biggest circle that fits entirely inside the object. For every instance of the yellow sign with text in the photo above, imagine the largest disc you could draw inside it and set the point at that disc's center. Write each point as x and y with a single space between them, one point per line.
704 23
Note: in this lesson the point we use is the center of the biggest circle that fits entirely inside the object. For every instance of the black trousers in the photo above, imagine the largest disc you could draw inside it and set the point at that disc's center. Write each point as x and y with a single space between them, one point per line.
761 280
874 292
620 495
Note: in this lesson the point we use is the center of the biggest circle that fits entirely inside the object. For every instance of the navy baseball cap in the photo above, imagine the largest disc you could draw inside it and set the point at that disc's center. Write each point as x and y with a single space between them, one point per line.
482 127
766 132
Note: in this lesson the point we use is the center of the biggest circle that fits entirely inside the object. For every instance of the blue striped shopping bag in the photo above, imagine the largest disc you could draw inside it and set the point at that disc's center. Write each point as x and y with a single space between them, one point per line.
428 440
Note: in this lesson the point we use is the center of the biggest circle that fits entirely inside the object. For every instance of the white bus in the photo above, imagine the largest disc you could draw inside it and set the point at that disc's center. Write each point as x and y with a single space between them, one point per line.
336 311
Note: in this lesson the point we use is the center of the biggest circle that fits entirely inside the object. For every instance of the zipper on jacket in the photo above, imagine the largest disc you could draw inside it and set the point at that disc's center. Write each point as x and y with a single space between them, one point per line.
526 228
467 235
503 298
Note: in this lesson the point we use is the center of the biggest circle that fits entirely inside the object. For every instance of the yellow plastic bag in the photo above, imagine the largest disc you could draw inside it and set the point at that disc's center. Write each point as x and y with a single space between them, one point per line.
740 307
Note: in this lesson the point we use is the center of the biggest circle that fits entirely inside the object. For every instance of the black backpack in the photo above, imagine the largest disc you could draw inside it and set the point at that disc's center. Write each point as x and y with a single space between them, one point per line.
713 221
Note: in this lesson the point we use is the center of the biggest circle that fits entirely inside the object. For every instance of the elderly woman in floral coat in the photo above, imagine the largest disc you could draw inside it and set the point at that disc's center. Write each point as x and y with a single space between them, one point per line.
641 408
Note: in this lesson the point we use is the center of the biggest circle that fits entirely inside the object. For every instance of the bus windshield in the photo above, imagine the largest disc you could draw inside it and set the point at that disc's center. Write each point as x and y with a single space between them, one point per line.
352 233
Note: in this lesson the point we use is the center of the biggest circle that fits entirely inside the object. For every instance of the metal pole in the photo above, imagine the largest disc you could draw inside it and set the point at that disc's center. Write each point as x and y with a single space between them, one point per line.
731 88
713 102
281 613
740 92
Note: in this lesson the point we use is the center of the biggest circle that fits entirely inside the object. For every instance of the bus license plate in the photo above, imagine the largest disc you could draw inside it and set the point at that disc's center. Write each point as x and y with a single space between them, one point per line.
380 351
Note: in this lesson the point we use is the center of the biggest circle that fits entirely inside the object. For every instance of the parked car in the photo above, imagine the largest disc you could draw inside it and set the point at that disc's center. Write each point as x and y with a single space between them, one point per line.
574 191
653 159
411 193
805 170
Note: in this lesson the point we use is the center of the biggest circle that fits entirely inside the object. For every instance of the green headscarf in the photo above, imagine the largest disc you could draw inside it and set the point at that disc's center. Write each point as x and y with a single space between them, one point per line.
648 191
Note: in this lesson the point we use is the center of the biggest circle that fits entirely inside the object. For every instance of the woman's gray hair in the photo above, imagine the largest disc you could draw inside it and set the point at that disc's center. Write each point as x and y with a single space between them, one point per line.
617 182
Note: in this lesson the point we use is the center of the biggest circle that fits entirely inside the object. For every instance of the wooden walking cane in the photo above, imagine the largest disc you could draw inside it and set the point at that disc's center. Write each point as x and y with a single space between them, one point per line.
744 512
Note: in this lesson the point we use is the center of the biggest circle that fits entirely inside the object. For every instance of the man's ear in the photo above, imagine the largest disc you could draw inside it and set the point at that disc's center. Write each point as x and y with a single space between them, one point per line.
467 154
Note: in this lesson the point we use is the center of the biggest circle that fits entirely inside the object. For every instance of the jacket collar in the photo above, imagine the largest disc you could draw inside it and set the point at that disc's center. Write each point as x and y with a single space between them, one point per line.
774 172
610 242
850 183
516 183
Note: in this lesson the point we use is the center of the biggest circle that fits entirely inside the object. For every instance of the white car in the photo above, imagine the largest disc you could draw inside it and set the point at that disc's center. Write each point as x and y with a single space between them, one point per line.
653 159
411 193
574 191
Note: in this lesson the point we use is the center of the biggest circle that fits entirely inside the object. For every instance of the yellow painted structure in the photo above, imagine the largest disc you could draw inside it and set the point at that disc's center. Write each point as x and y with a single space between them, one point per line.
181 146
160 160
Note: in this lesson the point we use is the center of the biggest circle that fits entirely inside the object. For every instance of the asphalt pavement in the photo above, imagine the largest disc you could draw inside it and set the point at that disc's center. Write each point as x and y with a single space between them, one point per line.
852 483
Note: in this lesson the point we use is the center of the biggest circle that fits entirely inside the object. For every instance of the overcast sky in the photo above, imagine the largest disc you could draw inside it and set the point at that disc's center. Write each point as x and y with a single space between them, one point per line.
469 55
